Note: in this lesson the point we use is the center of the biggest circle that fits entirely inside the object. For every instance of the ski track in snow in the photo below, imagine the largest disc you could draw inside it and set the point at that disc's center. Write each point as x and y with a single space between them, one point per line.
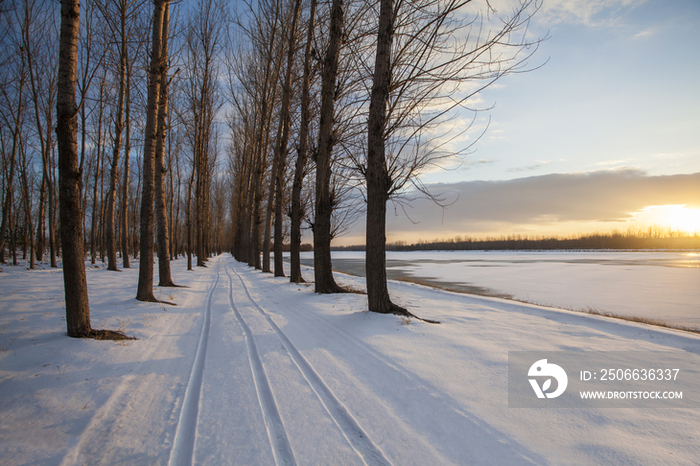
183 445
274 374
101 423
345 422
273 422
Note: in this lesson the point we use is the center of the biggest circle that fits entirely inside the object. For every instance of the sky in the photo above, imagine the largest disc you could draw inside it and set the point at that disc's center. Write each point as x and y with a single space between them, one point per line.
605 135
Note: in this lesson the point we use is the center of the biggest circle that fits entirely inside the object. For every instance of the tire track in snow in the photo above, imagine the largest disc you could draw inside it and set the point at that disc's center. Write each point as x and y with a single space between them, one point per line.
351 430
183 444
276 433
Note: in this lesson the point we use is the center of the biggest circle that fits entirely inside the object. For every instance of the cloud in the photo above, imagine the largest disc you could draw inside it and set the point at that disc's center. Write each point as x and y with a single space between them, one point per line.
527 168
649 32
601 196
587 12
548 204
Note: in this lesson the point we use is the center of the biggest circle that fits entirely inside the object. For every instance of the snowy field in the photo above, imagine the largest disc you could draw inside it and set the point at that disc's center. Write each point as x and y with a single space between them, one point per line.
654 285
249 369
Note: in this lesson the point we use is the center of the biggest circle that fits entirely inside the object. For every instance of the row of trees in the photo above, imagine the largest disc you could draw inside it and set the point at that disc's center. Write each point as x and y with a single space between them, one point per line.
632 238
374 87
184 118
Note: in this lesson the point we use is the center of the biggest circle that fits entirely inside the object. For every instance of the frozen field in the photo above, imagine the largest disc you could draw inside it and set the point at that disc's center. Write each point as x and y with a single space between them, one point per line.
654 285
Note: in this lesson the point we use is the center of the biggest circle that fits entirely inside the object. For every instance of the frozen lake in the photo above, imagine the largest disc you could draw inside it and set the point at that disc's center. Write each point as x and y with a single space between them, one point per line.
654 285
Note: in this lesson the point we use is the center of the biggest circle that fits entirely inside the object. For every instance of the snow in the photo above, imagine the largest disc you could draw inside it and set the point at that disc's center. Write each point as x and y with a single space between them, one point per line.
660 285
250 369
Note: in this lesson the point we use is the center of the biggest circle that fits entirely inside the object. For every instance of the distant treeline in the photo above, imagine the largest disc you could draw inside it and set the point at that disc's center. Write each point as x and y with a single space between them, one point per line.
653 238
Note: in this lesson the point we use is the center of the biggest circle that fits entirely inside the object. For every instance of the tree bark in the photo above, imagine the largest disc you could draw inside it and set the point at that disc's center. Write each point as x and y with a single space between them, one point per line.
74 279
145 285
118 128
125 179
281 144
164 278
300 167
94 231
26 197
7 208
323 269
378 181
267 234
40 233
188 220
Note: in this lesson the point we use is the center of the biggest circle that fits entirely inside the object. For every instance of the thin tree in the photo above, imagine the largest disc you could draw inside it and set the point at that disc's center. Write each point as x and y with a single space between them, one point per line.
14 103
126 173
302 153
162 239
42 78
323 270
119 31
158 62
27 201
204 43
282 141
99 169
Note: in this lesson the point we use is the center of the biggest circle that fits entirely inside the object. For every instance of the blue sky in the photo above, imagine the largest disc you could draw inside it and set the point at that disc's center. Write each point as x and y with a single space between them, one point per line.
617 100
621 89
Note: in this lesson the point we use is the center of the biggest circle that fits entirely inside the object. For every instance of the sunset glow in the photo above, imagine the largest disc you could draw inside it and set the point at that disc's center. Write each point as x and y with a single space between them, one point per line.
675 217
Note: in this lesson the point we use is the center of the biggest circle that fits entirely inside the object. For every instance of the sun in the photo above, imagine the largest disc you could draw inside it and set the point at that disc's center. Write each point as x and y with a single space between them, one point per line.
675 217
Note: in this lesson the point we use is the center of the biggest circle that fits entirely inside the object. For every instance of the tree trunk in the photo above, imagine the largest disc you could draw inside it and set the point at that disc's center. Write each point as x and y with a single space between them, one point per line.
74 279
36 98
188 220
378 181
13 237
255 218
172 226
175 210
299 169
164 278
281 144
40 233
26 197
7 208
125 180
267 235
145 285
94 231
323 269
114 171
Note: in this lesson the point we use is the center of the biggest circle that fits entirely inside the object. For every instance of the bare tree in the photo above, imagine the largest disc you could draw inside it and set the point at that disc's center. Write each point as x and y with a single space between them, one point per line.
253 85
323 270
416 84
13 90
204 43
157 65
120 32
37 43
26 177
282 141
164 277
378 181
300 166
74 279
98 154
124 220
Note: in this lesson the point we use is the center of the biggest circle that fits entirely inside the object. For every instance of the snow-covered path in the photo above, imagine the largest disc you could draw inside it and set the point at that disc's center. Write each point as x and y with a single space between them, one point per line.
249 369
